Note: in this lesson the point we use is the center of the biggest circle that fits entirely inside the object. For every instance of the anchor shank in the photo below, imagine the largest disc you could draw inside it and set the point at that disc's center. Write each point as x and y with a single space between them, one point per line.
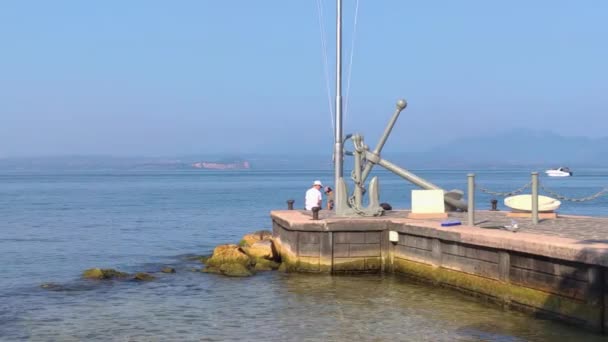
358 193
401 104
417 181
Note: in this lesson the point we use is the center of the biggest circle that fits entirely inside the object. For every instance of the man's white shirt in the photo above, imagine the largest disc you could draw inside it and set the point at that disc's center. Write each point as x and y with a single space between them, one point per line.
313 198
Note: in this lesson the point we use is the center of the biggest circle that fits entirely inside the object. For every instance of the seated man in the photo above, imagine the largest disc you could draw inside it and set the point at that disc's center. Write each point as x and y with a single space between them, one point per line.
314 196
329 192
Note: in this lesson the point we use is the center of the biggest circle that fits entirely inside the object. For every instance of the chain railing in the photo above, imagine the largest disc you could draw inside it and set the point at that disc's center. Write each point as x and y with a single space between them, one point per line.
535 186
580 199
506 194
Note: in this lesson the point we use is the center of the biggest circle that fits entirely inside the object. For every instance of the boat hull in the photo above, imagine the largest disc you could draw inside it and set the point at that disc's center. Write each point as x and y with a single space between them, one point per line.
523 203
558 174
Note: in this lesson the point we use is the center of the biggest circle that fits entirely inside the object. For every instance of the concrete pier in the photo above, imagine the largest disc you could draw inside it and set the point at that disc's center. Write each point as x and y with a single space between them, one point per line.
557 268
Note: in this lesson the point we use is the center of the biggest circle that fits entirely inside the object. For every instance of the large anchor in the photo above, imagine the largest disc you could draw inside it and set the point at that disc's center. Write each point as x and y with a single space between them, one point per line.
364 161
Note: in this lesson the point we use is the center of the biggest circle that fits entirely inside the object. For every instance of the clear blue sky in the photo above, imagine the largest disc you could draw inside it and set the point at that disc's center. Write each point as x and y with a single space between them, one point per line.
183 77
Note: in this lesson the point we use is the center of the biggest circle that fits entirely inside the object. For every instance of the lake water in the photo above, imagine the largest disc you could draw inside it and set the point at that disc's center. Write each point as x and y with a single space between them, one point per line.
55 225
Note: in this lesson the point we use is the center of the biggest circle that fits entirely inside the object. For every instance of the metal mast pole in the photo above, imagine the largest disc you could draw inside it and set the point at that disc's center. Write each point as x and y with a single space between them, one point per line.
338 149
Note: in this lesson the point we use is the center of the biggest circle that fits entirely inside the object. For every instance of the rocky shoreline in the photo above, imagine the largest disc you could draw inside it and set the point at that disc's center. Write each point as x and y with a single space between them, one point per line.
256 252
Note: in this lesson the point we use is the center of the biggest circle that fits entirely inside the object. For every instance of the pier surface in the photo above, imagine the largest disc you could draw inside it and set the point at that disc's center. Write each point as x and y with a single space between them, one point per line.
558 267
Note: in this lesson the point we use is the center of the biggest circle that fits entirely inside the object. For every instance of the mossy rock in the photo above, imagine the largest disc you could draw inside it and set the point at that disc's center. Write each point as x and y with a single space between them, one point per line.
203 258
229 254
168 270
264 234
266 265
142 276
211 269
235 270
261 249
114 274
260 235
107 273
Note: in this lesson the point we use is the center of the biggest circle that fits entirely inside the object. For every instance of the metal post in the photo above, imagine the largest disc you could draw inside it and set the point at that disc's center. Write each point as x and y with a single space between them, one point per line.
338 149
534 197
494 203
315 213
471 197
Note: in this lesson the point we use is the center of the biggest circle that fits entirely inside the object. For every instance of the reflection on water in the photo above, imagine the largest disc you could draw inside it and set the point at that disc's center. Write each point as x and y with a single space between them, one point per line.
193 306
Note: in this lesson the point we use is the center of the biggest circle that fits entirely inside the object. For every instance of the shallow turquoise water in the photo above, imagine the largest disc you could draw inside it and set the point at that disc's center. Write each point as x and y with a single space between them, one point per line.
53 226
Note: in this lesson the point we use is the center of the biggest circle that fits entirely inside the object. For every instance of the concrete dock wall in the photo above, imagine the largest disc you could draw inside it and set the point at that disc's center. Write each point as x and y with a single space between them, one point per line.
555 277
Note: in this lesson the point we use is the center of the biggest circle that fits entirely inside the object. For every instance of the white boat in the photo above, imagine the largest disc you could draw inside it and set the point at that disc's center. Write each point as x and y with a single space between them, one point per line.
524 203
559 172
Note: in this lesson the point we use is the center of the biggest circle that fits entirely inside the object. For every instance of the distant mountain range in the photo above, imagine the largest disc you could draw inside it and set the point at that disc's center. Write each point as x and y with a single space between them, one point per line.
518 148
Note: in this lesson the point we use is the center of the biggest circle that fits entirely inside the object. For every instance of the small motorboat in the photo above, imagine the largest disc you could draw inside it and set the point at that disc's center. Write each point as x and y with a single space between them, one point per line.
524 203
559 172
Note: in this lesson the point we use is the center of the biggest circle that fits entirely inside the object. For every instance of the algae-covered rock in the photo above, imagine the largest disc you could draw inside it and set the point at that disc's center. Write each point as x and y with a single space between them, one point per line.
142 276
235 270
203 258
112 274
211 269
168 270
260 235
266 265
228 254
107 273
93 273
261 249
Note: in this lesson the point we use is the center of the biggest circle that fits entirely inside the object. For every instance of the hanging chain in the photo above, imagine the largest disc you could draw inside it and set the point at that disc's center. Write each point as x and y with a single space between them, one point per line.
581 199
506 194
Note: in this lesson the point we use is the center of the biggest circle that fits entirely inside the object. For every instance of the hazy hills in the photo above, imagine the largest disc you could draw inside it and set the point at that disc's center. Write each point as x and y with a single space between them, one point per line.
518 148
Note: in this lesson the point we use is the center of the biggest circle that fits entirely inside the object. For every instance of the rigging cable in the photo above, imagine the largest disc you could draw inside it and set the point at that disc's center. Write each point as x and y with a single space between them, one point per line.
325 63
350 63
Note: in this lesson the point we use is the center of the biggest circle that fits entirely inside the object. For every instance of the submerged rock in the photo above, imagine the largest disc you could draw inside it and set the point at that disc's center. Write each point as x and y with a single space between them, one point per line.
104 274
168 270
51 286
235 270
142 276
191 257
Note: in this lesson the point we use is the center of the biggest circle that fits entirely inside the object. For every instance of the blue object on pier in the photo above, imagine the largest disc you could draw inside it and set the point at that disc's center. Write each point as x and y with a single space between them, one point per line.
450 223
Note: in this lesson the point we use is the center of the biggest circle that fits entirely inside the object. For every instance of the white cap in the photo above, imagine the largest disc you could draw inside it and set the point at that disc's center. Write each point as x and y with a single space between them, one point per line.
317 182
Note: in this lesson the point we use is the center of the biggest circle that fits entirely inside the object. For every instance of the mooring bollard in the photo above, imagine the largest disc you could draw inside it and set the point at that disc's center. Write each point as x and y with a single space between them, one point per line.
290 204
471 197
534 197
494 204
315 213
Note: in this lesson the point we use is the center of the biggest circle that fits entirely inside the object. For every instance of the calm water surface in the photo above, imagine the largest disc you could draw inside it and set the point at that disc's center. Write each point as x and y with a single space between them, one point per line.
55 225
